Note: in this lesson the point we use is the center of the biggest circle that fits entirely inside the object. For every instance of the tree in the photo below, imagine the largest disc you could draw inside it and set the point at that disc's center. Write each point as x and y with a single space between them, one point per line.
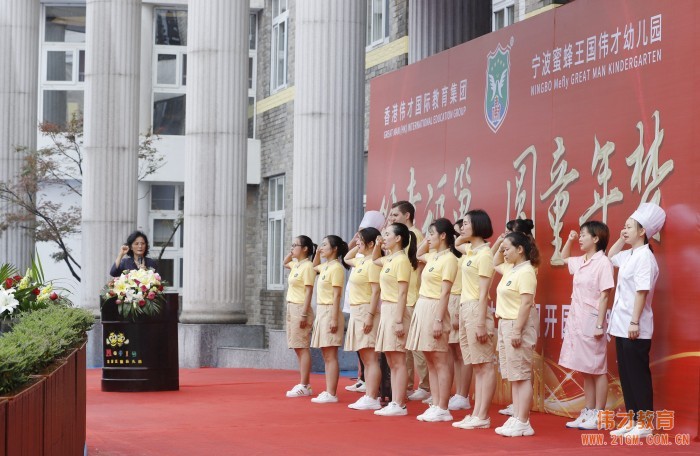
59 165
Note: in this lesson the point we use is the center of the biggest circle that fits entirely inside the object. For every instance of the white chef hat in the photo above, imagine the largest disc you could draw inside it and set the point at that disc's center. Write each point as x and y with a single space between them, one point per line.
651 217
373 219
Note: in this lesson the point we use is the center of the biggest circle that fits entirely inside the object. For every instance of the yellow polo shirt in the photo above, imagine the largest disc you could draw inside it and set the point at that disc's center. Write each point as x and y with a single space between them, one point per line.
439 266
396 268
515 282
457 284
301 275
332 275
476 263
365 273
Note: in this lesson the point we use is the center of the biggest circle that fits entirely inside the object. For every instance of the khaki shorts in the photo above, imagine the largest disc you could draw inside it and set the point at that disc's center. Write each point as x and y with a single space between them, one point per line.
473 351
516 363
387 341
296 336
356 339
453 310
322 335
420 336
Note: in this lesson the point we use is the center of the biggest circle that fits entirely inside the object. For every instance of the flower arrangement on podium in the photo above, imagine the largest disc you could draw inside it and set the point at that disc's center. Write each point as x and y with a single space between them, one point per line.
136 293
28 292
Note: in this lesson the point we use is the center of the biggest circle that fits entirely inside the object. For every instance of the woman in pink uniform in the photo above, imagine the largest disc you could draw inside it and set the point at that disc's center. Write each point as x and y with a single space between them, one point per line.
584 349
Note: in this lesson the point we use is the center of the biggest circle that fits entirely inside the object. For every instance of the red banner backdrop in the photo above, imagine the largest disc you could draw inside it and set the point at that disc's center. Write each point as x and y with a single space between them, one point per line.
580 113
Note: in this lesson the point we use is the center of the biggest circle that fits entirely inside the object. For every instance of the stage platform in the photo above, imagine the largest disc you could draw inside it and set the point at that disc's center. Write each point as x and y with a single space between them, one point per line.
244 412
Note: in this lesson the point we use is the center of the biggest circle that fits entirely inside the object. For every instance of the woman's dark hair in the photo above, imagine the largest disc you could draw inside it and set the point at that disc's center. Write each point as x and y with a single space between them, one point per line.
646 239
132 238
369 234
524 226
599 230
408 239
444 226
481 223
338 243
509 225
518 239
305 242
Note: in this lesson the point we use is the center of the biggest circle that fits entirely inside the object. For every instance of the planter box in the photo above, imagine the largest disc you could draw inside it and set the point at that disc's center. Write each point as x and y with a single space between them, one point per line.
60 408
140 355
3 426
80 398
24 421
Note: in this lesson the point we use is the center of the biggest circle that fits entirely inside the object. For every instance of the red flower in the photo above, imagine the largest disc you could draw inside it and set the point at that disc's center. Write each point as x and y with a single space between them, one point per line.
111 293
8 283
143 288
160 288
53 296
36 291
118 301
17 278
151 295
142 303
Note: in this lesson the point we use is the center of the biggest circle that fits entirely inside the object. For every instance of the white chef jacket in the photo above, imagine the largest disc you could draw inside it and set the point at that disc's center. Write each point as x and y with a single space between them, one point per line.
638 271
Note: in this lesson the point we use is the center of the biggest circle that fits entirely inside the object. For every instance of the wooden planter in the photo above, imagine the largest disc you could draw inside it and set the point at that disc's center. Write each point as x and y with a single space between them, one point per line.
24 420
3 425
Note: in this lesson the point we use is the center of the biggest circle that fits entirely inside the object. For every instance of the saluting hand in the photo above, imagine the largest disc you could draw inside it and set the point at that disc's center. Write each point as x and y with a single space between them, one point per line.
573 235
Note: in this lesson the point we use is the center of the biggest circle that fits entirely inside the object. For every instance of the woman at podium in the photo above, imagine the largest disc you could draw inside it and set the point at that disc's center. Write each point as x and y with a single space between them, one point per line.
133 255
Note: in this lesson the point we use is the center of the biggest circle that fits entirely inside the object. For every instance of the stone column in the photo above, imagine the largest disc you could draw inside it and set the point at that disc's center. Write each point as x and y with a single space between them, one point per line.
215 163
19 76
110 169
329 108
434 26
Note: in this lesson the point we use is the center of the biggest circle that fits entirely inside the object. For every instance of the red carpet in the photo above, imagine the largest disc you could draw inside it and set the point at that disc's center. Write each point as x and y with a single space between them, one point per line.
244 412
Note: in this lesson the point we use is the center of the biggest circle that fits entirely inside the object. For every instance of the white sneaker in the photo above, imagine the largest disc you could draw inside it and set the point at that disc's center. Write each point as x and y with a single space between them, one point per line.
508 411
458 402
519 429
438 415
624 429
577 422
640 430
501 429
358 387
392 409
462 423
474 422
419 395
590 423
426 414
428 401
325 398
366 403
300 391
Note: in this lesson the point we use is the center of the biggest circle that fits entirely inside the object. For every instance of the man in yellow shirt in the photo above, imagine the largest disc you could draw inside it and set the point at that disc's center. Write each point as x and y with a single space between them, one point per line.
404 212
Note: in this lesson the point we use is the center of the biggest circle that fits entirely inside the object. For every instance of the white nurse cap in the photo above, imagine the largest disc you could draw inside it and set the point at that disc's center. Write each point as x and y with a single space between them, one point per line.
651 217
373 219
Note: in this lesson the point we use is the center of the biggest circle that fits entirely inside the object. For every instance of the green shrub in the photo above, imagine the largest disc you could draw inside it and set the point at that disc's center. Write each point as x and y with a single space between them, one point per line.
37 340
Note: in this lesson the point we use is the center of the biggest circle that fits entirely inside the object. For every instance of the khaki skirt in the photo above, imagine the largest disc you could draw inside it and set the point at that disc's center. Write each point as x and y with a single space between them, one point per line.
322 335
356 339
296 336
420 335
453 309
387 341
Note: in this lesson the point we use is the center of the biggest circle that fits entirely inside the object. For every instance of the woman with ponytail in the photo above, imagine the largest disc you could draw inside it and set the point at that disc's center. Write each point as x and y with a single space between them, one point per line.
430 324
330 323
394 281
300 316
518 326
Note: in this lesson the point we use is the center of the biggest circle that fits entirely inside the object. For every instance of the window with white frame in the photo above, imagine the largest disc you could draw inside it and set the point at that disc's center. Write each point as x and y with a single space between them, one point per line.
166 230
280 22
252 71
275 233
377 22
62 64
503 14
169 71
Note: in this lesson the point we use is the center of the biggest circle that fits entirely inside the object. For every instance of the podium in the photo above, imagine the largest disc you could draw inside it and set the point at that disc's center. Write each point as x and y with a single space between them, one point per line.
140 355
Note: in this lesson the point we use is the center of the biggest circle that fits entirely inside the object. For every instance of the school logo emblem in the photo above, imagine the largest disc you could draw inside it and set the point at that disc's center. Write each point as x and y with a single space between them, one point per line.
497 86
431 269
359 270
323 277
469 263
508 283
387 270
296 275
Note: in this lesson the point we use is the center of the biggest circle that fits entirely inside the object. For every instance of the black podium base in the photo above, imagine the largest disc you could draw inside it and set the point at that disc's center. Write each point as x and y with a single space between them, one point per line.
140 355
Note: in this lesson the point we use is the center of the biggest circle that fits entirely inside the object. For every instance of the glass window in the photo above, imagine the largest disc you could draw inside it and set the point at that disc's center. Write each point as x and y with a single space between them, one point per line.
275 234
503 13
64 24
169 113
163 197
61 105
279 45
377 21
171 27
184 69
165 269
59 66
166 72
253 32
162 230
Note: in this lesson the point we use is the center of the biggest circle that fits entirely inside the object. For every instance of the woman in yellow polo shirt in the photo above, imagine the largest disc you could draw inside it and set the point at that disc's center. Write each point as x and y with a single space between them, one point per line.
518 326
476 326
430 324
394 281
300 316
364 314
329 324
